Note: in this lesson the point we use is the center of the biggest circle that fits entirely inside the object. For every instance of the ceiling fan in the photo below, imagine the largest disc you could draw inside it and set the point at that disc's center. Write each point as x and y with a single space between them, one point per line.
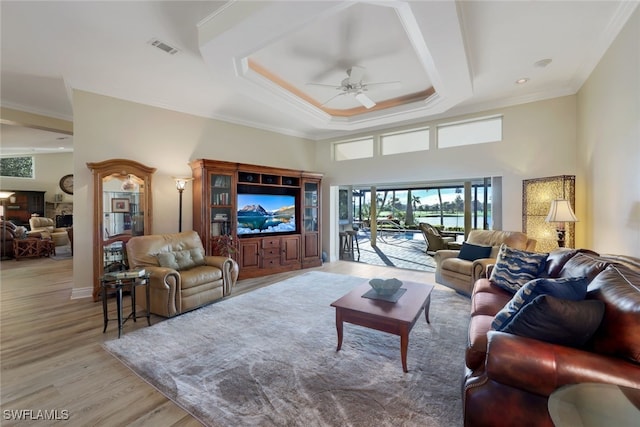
353 85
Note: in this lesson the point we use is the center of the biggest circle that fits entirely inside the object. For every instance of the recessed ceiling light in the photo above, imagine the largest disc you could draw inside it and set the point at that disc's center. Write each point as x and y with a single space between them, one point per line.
522 80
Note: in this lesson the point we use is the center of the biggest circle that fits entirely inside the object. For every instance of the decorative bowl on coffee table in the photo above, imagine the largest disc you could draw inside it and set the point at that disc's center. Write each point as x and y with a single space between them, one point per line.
385 287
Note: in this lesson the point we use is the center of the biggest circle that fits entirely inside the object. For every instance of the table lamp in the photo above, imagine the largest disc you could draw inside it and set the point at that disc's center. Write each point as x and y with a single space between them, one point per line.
560 212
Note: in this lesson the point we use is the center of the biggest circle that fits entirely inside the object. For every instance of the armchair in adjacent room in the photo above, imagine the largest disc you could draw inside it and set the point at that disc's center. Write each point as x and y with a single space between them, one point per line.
46 227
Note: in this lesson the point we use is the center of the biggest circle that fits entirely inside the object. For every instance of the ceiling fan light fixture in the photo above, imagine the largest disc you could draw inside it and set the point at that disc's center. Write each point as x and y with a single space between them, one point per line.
365 100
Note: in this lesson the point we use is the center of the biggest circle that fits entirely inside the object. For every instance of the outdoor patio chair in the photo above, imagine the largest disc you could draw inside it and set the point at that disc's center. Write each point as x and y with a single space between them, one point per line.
435 241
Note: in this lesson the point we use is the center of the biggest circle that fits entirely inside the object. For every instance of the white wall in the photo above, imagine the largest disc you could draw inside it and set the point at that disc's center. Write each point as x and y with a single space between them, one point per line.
49 168
609 147
539 140
107 128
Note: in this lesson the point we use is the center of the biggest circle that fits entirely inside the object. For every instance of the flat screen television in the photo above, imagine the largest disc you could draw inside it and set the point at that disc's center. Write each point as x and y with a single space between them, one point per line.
266 214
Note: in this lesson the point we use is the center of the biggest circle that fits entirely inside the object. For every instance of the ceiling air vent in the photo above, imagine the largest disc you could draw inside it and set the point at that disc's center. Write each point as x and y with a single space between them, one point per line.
163 46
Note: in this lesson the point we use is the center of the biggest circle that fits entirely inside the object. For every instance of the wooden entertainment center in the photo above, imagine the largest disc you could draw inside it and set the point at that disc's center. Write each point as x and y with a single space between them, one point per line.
277 244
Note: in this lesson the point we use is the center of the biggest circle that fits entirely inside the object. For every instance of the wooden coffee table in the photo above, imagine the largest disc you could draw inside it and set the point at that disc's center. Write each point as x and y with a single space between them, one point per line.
395 318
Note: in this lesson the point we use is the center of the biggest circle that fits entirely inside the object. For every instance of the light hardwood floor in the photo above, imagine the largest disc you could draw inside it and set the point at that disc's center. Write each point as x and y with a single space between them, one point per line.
51 355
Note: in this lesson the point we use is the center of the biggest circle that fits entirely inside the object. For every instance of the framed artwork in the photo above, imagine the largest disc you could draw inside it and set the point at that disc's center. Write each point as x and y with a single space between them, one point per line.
120 205
343 206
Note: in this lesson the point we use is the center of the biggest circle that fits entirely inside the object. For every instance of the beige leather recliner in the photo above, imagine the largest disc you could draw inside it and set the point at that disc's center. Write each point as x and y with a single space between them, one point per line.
46 227
460 274
182 277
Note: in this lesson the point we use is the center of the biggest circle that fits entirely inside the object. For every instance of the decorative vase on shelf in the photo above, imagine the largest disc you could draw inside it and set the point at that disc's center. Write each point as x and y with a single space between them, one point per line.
223 245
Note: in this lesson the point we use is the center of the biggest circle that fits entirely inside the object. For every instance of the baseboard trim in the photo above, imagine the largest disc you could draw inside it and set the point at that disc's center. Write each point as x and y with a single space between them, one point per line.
79 293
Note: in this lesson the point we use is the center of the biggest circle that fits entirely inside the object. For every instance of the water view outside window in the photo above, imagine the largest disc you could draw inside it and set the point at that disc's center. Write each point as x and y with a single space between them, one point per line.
441 206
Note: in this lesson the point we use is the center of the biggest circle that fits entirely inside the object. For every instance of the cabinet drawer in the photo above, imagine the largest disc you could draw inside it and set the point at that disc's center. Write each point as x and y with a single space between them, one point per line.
270 262
271 253
270 243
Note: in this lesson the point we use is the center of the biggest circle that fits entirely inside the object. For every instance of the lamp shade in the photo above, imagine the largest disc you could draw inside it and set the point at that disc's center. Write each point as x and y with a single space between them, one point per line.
181 183
560 211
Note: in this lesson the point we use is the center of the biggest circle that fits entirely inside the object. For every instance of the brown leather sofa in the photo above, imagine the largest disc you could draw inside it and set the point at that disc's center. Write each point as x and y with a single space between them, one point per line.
509 378
182 278
7 235
460 274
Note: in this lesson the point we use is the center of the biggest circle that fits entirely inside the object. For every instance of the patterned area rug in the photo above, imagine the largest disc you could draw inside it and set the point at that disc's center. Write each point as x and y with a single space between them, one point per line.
268 358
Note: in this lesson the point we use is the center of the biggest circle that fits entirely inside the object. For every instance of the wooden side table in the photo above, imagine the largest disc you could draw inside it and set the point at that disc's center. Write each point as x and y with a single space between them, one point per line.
110 282
32 247
47 247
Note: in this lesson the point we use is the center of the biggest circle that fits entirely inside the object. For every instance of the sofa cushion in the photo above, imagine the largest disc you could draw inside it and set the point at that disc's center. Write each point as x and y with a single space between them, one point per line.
476 352
181 260
515 267
583 265
557 259
558 321
488 299
471 252
619 333
200 278
571 288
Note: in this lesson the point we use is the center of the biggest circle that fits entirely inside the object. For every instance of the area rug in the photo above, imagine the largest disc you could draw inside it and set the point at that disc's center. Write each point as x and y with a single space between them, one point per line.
62 252
268 358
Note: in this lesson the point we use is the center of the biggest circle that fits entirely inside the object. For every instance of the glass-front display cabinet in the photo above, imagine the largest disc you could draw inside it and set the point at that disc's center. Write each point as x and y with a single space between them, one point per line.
311 222
122 209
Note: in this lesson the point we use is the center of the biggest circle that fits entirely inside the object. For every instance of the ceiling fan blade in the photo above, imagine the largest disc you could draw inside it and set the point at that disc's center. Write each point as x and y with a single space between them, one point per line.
355 74
323 85
379 85
332 98
365 100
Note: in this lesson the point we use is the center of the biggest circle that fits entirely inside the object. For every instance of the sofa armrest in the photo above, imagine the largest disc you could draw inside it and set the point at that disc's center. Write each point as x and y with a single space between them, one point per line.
479 268
164 290
539 367
230 270
443 254
216 261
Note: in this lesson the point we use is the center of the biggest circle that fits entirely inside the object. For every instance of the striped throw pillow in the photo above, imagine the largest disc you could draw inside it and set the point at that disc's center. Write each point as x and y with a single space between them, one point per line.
514 268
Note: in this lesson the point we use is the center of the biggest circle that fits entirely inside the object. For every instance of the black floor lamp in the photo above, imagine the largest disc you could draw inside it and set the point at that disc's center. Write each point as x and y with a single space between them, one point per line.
4 195
181 184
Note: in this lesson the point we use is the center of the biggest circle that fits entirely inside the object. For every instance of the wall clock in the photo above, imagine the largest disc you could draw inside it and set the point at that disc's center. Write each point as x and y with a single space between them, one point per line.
66 184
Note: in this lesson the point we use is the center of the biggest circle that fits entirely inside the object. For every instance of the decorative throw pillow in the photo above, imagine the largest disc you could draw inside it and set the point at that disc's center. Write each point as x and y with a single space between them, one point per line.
558 321
471 252
198 256
514 268
181 260
583 264
570 288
